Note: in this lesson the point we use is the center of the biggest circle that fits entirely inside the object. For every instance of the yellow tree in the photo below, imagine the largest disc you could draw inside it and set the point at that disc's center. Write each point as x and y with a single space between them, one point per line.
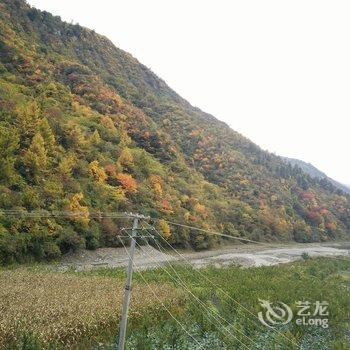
126 159
200 209
65 166
75 136
27 117
47 134
77 210
9 144
35 159
164 228
95 138
96 172
108 123
156 183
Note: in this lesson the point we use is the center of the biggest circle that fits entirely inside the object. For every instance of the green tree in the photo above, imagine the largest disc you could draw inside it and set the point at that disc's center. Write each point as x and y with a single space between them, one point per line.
47 135
9 144
35 159
27 121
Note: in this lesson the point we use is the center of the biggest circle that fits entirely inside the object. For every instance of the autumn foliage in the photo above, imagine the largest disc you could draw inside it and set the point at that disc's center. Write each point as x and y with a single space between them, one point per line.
86 128
127 182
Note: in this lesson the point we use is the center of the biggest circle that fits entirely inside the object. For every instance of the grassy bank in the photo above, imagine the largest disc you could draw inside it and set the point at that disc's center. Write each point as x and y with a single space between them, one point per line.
81 310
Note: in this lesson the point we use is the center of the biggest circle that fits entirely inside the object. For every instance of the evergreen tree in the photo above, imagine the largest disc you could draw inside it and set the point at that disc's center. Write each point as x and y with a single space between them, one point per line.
35 159
9 144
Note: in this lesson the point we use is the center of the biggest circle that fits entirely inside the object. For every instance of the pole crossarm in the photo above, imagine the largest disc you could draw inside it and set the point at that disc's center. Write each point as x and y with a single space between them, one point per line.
138 216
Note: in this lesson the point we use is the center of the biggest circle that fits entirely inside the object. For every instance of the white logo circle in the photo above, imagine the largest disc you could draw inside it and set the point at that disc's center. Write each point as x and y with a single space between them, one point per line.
274 315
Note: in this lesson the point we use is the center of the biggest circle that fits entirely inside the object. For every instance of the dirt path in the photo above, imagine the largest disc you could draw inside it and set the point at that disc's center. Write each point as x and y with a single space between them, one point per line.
245 255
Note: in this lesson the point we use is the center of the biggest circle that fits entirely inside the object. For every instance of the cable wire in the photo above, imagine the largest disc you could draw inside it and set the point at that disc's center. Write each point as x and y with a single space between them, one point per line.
256 319
213 232
64 213
161 302
185 286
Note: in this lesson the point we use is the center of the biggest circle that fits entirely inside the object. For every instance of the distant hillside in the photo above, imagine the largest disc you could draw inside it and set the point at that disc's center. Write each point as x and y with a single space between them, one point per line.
316 173
85 127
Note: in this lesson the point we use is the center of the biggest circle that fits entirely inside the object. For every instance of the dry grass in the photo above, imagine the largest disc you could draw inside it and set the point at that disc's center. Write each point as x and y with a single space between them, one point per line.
64 308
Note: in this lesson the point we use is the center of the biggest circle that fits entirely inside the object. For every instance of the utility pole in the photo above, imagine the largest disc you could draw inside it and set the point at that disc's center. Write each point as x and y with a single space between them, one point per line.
127 292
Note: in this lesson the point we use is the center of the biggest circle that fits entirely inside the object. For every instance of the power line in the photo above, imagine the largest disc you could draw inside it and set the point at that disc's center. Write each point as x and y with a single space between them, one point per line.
161 302
41 213
202 303
189 291
64 214
216 286
212 232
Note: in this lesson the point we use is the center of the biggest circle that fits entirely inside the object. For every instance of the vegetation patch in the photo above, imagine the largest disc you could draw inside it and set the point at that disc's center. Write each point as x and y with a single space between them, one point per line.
86 128
81 310
59 309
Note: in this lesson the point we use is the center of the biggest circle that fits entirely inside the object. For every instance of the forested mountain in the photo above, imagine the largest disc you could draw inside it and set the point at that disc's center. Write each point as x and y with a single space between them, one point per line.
85 127
314 172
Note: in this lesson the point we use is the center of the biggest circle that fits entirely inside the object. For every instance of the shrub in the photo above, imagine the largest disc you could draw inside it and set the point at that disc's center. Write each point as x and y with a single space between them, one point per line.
305 256
69 240
12 247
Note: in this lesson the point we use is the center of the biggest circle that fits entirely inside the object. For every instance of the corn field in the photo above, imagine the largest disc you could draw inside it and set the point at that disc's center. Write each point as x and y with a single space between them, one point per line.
61 308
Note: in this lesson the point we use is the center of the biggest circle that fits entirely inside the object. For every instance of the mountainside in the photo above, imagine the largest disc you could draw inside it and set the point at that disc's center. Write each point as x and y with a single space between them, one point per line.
85 127
316 173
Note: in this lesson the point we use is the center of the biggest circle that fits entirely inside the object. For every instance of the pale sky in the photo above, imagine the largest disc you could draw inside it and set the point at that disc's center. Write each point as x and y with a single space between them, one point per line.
276 71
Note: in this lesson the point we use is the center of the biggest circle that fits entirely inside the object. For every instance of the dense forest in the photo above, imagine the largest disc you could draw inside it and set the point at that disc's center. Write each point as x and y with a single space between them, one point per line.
84 127
314 172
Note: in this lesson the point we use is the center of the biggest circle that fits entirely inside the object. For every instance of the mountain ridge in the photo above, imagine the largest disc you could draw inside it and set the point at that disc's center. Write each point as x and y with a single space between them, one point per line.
91 128
315 172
